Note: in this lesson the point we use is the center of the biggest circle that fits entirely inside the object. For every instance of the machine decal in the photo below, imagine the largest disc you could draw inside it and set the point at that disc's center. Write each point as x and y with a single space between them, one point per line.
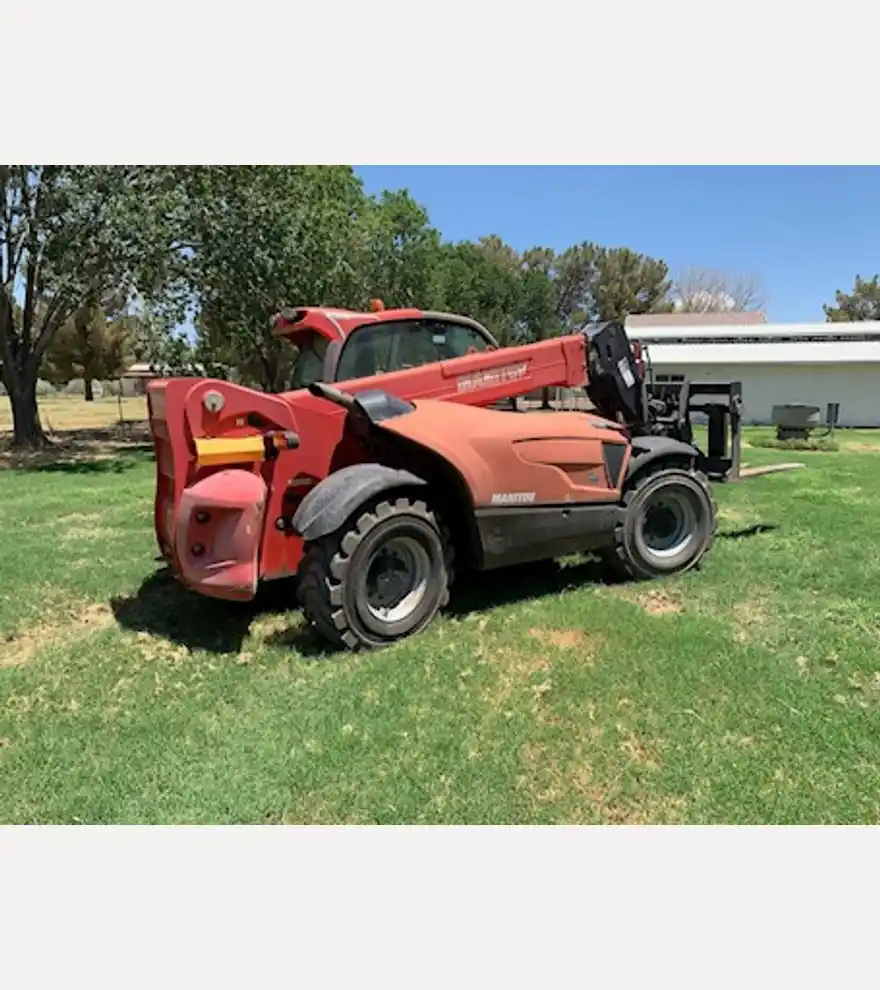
513 498
494 376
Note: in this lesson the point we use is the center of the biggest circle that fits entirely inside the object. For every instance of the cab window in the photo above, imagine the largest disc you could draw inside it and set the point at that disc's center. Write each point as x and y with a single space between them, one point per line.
385 347
454 340
368 351
309 365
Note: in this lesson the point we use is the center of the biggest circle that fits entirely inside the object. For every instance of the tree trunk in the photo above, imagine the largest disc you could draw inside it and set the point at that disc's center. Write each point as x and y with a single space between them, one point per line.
90 394
26 427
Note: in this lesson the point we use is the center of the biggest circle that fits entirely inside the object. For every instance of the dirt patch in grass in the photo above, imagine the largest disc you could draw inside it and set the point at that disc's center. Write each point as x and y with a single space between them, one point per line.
639 751
751 617
562 639
81 527
655 601
520 669
515 669
860 446
608 804
322 813
853 495
158 649
586 798
742 742
22 646
75 518
88 534
269 628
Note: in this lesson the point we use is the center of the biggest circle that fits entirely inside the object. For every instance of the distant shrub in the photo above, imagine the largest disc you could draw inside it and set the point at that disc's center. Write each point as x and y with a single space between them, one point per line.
825 444
111 388
76 386
2 389
45 388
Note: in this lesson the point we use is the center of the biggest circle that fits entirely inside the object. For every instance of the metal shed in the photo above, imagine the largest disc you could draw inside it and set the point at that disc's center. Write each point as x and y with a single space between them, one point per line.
777 363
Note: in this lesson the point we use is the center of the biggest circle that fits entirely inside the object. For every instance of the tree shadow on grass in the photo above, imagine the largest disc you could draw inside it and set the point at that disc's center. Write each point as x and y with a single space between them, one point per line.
478 592
755 530
493 589
163 607
132 457
471 593
80 452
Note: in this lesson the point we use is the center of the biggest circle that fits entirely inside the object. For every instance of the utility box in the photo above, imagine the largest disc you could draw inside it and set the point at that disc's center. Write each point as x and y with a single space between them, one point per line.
795 421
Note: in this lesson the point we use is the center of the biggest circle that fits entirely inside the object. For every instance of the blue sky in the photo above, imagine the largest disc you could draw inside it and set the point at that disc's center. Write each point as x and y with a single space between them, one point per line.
803 231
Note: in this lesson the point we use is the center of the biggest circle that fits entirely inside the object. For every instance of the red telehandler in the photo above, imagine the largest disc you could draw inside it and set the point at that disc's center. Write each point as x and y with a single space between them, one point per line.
388 459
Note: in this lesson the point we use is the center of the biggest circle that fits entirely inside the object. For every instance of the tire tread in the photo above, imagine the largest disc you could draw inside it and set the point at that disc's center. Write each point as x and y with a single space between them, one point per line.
618 559
325 563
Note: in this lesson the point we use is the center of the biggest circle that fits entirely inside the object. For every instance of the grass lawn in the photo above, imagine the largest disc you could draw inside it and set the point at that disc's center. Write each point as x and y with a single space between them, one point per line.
744 693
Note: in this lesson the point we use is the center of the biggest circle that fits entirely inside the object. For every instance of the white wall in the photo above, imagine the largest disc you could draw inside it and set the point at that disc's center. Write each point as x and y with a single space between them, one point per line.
855 386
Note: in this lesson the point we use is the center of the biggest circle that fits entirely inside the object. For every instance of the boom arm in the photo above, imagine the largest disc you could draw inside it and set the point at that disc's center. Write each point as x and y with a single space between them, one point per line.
487 377
598 358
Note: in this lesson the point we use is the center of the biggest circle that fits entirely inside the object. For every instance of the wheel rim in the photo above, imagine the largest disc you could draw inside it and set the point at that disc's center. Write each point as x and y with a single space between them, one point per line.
396 579
669 524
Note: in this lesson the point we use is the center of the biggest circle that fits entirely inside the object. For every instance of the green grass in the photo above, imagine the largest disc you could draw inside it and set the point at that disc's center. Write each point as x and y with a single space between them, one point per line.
744 693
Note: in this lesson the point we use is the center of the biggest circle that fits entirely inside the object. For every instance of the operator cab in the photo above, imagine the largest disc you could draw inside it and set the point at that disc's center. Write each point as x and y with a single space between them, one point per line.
350 349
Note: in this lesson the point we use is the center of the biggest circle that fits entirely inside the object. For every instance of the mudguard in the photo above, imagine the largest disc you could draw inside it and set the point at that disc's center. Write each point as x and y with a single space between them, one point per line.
330 503
647 450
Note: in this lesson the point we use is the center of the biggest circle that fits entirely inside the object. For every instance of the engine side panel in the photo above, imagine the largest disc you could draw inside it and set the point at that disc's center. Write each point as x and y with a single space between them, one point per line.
541 484
535 458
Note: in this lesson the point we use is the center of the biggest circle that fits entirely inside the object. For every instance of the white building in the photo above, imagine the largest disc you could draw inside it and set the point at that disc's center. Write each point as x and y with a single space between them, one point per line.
777 363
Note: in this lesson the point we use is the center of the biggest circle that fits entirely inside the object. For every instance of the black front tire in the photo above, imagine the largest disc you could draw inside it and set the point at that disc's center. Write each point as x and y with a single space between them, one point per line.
667 525
334 577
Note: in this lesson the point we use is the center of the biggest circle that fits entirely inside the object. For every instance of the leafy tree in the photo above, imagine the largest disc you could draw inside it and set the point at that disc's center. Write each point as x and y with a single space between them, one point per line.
264 238
397 255
590 283
474 281
628 283
538 304
863 303
95 343
158 340
539 301
69 235
500 252
575 272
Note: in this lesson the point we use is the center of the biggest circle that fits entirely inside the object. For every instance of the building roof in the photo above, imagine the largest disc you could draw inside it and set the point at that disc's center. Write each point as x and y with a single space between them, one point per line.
694 319
746 333
806 352
770 343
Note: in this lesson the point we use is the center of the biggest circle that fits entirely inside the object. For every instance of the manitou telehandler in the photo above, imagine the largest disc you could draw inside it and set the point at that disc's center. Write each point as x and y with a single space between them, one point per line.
371 489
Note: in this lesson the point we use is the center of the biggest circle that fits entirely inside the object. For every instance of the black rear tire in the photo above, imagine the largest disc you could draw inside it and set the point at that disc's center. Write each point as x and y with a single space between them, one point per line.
382 576
667 524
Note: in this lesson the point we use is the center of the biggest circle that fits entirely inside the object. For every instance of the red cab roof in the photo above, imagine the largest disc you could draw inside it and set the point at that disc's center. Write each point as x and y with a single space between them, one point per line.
334 324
